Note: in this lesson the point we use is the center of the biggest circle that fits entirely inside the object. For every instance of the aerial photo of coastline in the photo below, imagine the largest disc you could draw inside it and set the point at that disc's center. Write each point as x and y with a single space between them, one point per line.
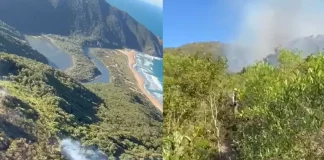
81 79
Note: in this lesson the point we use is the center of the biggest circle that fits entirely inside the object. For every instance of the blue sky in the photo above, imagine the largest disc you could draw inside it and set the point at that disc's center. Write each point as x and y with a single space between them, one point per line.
186 21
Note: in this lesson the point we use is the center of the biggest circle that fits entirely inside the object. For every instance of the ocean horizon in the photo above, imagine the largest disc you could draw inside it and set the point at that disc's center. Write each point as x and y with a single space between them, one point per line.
146 14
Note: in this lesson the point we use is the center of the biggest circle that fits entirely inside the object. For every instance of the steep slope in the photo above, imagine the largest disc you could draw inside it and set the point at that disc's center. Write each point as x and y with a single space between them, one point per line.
103 24
13 42
40 105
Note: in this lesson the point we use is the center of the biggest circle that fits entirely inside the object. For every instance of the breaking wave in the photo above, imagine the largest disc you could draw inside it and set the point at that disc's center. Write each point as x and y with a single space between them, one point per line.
150 68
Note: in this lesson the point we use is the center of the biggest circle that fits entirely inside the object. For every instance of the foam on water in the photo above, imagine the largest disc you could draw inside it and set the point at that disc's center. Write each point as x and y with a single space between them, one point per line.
144 66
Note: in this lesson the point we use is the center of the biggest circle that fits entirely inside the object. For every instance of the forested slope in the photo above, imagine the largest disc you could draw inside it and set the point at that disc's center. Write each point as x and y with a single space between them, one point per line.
40 106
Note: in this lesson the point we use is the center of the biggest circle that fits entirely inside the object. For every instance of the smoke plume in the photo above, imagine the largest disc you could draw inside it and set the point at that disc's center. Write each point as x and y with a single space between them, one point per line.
73 150
267 24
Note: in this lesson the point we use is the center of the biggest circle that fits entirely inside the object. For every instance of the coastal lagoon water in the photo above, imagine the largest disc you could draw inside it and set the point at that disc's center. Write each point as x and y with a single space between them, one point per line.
57 58
60 60
104 77
150 68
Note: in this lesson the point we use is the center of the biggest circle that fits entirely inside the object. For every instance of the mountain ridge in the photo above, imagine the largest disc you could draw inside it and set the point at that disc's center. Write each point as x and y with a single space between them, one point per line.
95 19
308 45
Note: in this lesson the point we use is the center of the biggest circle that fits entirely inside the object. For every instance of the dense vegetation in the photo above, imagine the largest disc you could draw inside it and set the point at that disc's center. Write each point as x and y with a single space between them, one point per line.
13 42
43 104
280 112
106 25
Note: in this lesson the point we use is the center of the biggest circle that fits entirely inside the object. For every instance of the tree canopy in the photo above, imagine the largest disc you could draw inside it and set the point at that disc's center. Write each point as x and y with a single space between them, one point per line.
280 113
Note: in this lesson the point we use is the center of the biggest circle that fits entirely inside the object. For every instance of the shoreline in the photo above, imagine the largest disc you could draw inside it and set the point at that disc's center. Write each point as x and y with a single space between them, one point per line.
140 81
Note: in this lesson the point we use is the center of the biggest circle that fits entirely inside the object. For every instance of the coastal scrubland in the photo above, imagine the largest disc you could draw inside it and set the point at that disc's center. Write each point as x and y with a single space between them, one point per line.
43 105
280 114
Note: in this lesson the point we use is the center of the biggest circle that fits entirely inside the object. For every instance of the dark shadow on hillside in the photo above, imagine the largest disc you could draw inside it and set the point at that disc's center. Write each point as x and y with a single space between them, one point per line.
8 67
15 132
33 17
153 113
18 48
78 101
22 107
120 147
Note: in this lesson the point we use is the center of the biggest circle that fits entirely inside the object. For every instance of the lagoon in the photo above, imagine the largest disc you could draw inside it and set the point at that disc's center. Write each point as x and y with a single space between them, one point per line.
60 60
57 58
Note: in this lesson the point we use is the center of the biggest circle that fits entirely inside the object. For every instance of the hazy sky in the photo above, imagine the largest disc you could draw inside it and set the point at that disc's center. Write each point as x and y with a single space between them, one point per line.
267 24
261 22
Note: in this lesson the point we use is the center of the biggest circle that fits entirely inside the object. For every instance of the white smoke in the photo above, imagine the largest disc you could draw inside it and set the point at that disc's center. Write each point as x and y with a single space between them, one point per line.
267 24
73 150
158 3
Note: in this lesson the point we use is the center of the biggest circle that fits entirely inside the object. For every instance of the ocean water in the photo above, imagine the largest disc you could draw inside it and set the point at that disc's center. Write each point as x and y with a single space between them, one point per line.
150 68
147 14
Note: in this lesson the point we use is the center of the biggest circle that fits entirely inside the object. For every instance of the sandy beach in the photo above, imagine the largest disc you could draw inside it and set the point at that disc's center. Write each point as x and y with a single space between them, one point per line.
140 80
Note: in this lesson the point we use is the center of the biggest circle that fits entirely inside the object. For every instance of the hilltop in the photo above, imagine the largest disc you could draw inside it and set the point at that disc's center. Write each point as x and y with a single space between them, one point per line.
239 57
190 48
102 25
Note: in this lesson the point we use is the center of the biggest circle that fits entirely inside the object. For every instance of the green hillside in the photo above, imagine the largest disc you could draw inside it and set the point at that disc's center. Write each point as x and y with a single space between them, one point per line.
42 104
13 42
280 113
192 48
